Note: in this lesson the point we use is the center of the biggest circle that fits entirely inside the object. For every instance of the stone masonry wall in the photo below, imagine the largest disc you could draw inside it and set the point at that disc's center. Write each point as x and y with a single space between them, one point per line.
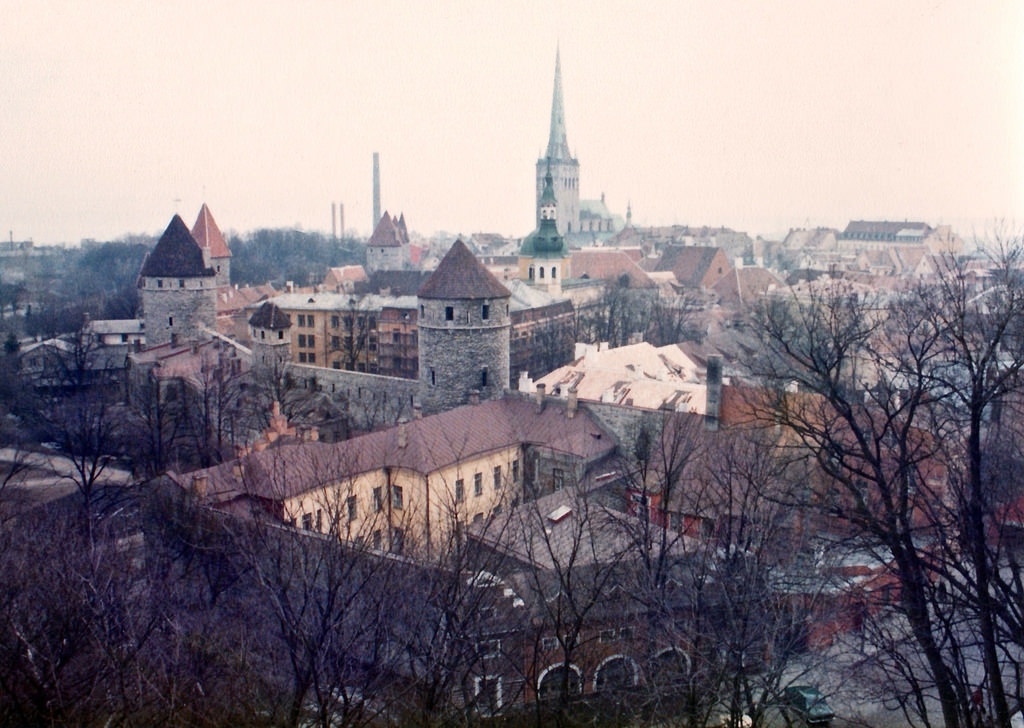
370 401
180 311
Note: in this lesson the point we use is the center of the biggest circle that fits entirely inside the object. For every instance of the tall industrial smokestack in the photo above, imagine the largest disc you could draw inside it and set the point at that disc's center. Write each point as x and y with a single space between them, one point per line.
341 218
334 222
376 190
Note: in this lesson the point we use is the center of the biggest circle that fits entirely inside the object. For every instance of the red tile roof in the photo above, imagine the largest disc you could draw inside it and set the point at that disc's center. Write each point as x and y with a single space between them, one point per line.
208 235
431 443
608 265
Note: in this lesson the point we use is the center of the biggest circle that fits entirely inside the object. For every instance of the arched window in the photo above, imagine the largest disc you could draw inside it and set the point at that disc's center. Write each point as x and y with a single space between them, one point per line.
558 680
554 272
531 272
541 272
617 672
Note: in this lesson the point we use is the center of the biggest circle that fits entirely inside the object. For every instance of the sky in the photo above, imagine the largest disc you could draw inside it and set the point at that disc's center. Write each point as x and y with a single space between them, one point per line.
759 116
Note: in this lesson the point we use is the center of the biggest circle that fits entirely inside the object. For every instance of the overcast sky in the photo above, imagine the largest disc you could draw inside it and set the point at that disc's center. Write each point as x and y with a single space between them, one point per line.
755 115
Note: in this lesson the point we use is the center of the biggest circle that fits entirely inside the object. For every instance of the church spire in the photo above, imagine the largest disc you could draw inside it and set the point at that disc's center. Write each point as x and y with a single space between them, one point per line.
558 145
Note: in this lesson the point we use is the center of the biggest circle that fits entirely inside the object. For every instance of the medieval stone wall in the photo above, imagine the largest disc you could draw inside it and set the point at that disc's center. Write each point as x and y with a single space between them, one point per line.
369 401
179 307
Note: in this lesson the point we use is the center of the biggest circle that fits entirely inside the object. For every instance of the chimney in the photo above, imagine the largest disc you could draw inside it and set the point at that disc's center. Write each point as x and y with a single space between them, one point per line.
540 397
417 411
334 221
714 393
200 485
474 396
376 190
403 434
341 218
572 403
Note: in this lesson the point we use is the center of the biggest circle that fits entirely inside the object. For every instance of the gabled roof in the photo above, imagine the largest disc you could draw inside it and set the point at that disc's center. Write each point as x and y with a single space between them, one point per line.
176 255
269 316
745 285
460 275
883 229
430 444
608 265
208 235
689 263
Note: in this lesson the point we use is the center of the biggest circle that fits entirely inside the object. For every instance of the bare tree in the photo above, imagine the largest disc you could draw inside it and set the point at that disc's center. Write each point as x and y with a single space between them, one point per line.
894 400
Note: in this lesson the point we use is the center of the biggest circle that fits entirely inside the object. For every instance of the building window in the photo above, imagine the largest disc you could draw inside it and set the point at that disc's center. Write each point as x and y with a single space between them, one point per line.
497 478
335 364
311 341
378 504
541 269
485 312
397 540
554 272
433 378
335 342
159 283
334 322
515 470
307 521
302 340
350 505
302 357
488 649
478 484
421 311
377 539
558 477
531 273
300 320
311 358
396 497
460 490
170 321
319 520
396 337
280 335
449 313
181 283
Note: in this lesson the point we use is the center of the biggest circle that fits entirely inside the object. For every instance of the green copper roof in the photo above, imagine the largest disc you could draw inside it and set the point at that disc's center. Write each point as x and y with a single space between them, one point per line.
558 144
545 241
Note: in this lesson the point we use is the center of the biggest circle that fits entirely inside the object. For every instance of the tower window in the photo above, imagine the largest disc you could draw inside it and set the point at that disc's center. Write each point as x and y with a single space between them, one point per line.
485 312
170 321
181 283
554 272
433 378
159 282
541 272
483 377
531 272
449 313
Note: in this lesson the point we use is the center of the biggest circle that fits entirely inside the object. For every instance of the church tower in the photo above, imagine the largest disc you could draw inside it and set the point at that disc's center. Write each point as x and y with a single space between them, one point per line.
560 163
544 256
464 329
216 253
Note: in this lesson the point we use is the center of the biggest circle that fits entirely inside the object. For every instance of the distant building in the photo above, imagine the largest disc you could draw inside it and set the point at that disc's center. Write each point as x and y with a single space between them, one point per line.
388 246
544 255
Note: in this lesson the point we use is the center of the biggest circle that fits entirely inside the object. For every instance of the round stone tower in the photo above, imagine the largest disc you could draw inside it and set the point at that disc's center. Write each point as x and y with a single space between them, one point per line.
179 291
271 340
464 330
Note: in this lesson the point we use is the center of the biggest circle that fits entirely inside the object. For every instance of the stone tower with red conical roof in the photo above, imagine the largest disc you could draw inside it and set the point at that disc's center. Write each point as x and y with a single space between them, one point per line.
216 253
464 328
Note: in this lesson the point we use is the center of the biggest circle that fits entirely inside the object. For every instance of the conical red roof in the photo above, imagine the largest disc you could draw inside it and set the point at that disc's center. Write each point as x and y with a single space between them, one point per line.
208 235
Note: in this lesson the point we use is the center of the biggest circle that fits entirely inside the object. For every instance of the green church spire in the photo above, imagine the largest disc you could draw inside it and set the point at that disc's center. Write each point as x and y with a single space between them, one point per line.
558 144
